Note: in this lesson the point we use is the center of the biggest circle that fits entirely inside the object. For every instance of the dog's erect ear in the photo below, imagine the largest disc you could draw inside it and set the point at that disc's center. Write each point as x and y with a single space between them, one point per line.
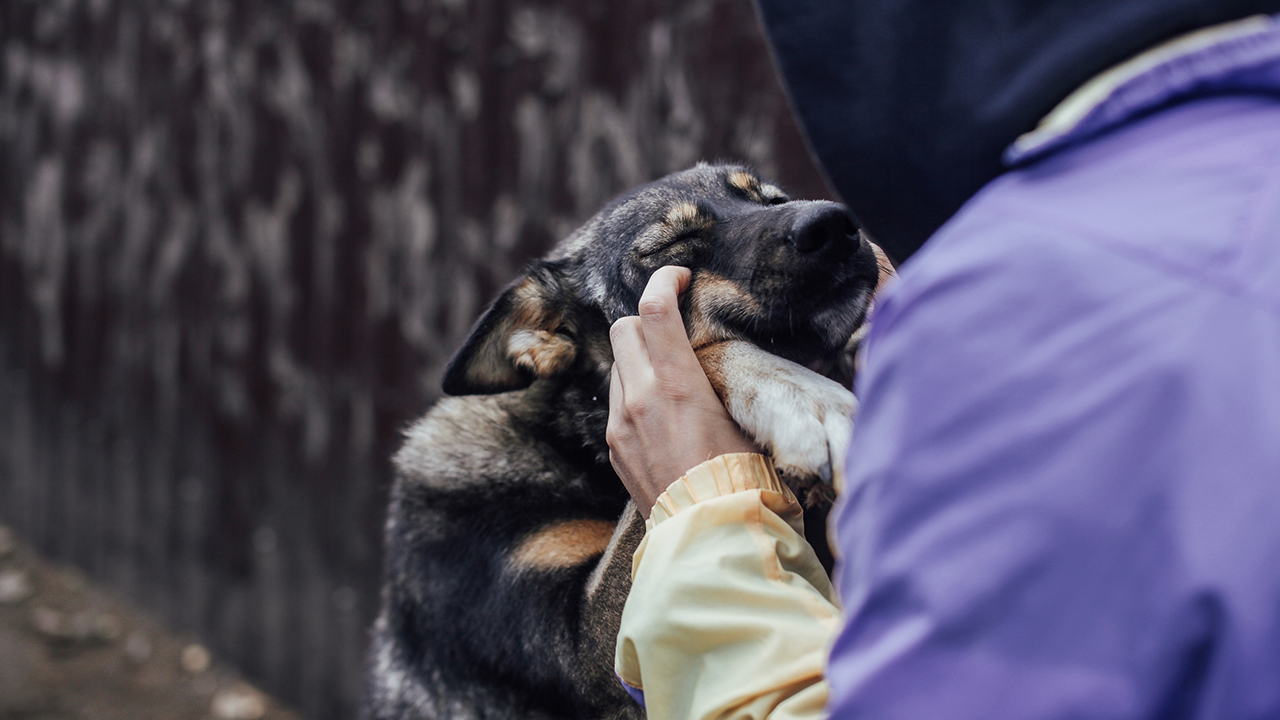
519 338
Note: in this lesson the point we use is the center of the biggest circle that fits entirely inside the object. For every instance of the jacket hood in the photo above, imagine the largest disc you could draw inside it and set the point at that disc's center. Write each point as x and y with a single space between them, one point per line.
908 105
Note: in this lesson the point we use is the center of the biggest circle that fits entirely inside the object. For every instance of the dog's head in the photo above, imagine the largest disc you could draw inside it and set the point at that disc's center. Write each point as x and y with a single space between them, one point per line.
794 277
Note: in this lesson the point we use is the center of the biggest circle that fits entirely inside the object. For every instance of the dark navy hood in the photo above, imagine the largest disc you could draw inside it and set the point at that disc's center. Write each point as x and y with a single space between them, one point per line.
909 104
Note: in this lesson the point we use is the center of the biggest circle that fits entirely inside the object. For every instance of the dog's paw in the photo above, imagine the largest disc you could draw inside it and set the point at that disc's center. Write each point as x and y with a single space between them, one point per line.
804 421
801 418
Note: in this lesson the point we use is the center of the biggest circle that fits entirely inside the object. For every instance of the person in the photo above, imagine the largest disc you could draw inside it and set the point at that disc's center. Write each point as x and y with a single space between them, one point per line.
1062 491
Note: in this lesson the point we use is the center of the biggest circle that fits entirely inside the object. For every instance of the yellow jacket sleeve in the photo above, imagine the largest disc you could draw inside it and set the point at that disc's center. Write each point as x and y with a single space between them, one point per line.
730 613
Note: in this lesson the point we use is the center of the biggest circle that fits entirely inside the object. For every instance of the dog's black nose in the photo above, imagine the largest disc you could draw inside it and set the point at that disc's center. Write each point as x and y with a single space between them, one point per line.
823 225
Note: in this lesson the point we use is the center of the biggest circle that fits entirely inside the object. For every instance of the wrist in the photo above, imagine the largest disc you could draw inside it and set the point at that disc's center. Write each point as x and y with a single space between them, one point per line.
721 475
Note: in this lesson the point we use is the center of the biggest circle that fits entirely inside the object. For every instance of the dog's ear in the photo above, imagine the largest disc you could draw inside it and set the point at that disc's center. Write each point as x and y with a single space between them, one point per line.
520 337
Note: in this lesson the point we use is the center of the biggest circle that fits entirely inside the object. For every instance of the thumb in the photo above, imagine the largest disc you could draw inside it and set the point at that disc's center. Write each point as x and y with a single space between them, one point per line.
660 321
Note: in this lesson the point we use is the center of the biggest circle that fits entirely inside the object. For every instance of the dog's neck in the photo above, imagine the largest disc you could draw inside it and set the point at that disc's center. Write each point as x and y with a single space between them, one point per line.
571 413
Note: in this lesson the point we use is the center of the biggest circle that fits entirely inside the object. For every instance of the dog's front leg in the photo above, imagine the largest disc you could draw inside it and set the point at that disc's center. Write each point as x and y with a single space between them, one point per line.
800 417
606 592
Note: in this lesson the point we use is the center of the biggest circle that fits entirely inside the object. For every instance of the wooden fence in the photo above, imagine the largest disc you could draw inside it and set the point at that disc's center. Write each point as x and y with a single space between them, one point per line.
240 238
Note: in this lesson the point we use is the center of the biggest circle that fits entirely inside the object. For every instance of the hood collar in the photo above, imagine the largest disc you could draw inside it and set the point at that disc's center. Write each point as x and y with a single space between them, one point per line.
910 105
1225 56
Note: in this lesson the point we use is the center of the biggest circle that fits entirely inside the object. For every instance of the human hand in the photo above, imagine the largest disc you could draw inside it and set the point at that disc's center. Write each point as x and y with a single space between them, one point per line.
664 418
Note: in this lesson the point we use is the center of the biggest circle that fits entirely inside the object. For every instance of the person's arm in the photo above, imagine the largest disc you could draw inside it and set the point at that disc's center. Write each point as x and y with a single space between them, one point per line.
730 613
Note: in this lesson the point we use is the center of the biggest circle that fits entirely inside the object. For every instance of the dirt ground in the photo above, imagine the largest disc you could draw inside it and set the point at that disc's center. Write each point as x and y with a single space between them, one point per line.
69 651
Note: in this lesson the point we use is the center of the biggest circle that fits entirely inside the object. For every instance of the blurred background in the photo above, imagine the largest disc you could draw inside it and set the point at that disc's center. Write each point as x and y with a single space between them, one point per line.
240 239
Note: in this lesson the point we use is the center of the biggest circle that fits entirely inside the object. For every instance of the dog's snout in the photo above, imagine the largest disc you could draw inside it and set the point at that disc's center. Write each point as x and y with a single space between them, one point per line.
823 225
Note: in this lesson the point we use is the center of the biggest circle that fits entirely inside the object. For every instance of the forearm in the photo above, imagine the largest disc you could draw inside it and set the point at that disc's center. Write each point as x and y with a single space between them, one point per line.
730 612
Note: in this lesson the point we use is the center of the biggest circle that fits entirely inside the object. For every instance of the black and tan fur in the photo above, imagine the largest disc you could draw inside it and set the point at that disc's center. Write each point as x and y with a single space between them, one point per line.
509 539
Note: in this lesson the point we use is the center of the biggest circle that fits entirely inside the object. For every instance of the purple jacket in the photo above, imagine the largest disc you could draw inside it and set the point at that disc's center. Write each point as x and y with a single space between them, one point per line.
1068 451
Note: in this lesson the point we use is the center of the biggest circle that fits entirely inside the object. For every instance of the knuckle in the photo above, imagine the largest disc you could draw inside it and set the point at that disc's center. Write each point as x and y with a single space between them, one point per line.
618 431
622 326
653 307
638 408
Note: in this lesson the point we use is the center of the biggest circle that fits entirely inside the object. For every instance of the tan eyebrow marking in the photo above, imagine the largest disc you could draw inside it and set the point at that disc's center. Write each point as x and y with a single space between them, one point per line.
747 183
681 218
686 215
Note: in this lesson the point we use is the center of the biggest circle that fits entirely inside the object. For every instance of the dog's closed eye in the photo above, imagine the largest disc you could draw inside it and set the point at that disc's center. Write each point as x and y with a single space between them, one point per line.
684 223
658 244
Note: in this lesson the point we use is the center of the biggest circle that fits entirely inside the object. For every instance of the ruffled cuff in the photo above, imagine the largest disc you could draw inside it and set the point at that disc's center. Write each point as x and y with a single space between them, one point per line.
717 477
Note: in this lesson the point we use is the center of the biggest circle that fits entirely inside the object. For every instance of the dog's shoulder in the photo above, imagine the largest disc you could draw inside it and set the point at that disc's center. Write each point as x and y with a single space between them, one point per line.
482 440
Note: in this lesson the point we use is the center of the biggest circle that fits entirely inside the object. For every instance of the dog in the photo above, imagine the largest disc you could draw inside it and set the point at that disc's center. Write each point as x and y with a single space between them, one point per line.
509 536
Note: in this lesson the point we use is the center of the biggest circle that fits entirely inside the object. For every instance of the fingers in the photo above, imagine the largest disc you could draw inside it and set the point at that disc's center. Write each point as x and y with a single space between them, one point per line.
630 353
667 282
620 436
664 334
617 416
